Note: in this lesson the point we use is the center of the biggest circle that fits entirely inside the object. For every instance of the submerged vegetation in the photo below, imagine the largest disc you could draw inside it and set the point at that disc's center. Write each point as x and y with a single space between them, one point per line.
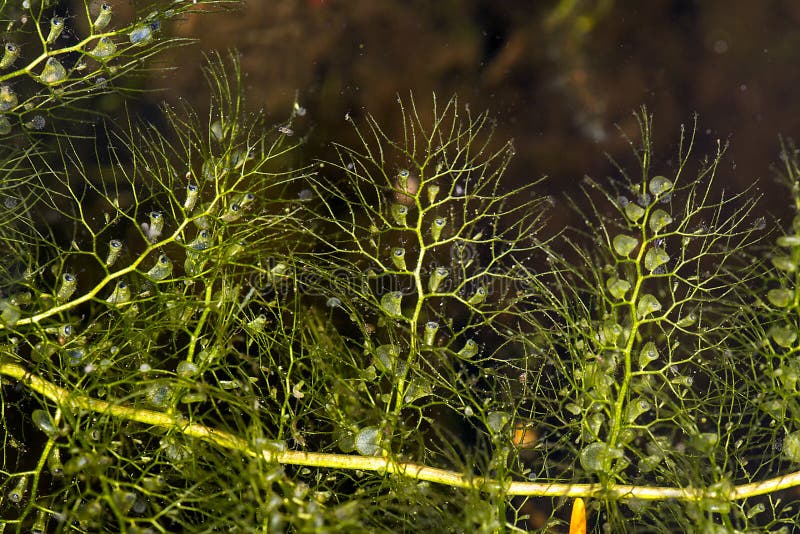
196 334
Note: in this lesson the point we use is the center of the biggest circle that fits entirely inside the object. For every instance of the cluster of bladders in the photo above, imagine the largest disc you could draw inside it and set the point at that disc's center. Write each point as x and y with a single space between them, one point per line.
54 72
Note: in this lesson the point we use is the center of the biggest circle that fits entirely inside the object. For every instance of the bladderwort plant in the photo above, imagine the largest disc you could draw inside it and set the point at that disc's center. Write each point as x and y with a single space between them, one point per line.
203 334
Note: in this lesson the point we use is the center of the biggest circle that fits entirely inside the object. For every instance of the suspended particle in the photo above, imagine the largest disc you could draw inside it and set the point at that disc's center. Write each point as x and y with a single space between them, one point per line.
154 228
399 258
429 337
233 212
478 297
439 274
121 293
161 270
192 192
392 303
10 55
5 125
104 17
399 213
624 244
104 49
53 72
433 191
114 250
469 350
659 220
436 228
44 422
141 34
69 283
56 27
17 493
8 98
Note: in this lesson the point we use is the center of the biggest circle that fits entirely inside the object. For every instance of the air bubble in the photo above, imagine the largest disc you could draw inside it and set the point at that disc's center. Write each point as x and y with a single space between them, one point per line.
53 72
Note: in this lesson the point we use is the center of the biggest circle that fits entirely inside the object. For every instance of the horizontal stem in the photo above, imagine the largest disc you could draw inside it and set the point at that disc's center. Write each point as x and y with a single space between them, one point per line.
75 401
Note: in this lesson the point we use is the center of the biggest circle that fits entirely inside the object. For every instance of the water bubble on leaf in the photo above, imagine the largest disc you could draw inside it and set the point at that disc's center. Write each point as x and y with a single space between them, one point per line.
5 125
497 422
791 446
437 226
399 213
10 55
399 258
392 303
784 263
429 336
53 72
438 274
114 250
141 34
17 493
624 244
469 350
655 258
8 98
783 336
647 305
780 298
478 297
617 287
69 282
161 270
104 49
788 241
121 293
386 357
187 369
103 17
192 192
659 185
10 313
368 441
44 422
659 220
634 211
56 27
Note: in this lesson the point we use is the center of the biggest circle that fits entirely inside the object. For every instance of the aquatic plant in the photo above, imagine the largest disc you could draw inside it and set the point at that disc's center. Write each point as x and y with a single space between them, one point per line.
202 334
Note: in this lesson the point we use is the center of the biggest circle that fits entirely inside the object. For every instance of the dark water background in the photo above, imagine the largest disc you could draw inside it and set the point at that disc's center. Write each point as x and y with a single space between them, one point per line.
558 76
